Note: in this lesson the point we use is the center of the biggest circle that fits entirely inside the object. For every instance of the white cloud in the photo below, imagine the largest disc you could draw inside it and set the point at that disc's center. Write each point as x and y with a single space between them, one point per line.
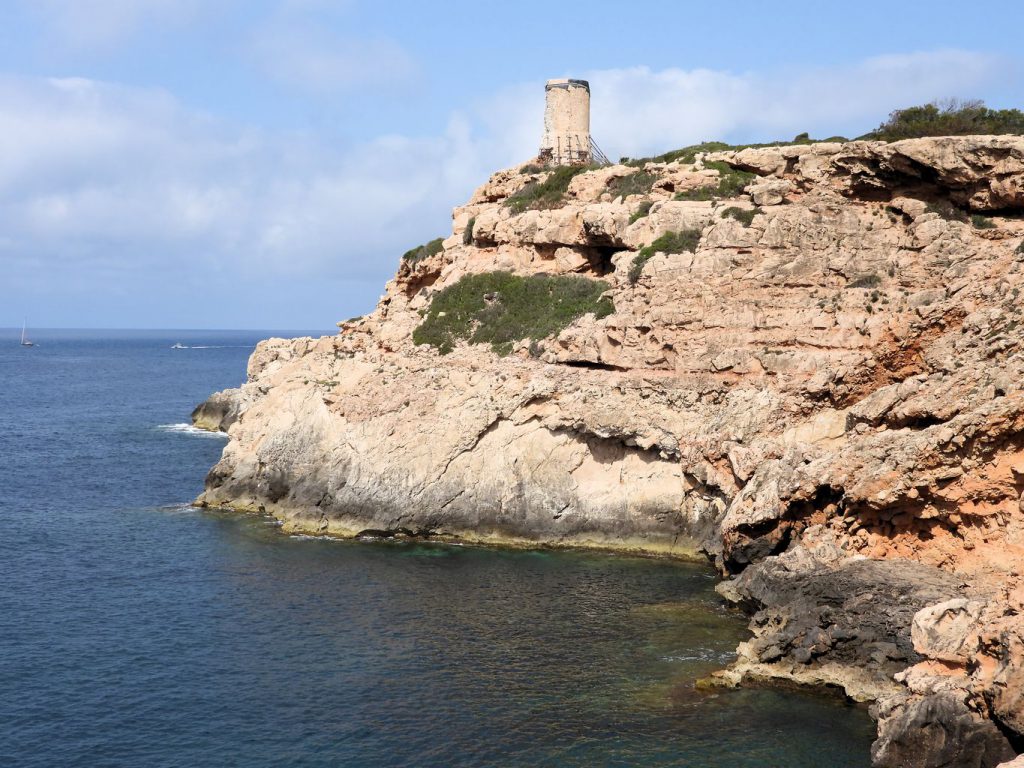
103 185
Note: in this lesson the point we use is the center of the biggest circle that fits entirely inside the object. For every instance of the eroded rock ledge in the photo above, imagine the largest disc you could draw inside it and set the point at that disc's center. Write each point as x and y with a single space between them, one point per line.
826 396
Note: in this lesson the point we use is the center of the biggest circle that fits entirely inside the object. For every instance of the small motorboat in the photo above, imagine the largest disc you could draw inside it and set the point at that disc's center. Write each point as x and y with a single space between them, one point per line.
178 345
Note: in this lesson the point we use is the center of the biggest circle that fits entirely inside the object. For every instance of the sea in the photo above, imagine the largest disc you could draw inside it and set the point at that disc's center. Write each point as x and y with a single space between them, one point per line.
137 630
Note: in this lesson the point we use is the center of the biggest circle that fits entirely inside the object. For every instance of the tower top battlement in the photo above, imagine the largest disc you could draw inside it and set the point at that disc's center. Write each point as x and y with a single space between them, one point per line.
566 82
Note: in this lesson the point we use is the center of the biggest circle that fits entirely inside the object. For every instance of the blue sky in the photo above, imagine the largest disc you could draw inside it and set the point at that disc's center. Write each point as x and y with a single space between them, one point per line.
263 163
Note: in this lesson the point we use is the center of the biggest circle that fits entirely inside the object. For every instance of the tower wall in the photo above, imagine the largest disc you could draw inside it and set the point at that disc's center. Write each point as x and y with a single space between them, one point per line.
566 139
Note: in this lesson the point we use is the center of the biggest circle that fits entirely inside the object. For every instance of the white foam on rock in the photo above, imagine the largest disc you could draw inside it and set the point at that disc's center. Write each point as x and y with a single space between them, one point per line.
188 429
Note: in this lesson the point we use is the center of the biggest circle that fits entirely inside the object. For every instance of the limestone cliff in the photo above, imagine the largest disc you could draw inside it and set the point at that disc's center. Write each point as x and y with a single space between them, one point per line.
826 394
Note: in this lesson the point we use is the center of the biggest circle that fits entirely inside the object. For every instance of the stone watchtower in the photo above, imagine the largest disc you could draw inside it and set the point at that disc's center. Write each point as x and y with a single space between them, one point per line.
566 138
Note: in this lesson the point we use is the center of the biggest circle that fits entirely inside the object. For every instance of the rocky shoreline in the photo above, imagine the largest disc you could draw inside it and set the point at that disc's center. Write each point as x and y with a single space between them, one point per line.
824 393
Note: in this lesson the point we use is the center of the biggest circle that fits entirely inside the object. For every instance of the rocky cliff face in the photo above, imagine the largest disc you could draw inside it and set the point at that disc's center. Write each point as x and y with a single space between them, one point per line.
826 395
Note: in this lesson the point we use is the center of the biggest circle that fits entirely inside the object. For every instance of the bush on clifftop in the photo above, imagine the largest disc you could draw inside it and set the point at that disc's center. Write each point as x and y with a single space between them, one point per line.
424 251
499 308
948 118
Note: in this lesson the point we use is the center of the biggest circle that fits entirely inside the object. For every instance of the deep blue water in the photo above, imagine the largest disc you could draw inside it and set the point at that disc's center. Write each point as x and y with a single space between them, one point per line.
136 631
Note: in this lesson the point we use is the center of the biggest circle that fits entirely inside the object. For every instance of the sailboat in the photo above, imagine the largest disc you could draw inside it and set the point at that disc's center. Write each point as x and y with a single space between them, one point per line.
24 341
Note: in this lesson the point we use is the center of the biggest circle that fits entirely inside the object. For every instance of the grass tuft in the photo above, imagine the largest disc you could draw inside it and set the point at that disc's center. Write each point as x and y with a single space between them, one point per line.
499 308
982 222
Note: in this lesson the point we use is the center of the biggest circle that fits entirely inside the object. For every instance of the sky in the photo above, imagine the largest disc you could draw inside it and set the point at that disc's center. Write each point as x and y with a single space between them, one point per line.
264 163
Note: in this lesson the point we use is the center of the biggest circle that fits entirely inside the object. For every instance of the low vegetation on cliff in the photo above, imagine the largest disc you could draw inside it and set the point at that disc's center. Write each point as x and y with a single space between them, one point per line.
689 154
642 210
941 118
424 251
499 308
547 193
948 118
637 183
731 183
744 216
685 241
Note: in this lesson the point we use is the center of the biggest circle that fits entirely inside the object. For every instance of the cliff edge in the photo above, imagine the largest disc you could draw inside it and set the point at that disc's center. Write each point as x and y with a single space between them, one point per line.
805 361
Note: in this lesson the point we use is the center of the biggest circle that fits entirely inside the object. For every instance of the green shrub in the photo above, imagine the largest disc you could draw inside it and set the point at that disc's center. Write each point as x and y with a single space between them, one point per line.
548 193
467 233
982 222
743 215
685 241
948 118
731 183
869 280
526 170
424 251
499 308
642 211
636 183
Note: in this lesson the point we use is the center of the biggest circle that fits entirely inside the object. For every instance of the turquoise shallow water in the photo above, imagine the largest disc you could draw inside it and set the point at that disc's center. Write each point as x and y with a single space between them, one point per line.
136 631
